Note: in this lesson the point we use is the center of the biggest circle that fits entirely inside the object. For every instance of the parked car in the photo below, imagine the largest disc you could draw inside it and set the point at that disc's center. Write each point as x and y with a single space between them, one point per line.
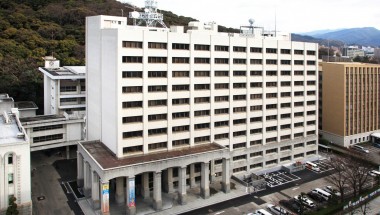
360 148
332 191
325 195
374 173
262 212
291 204
277 210
305 201
315 197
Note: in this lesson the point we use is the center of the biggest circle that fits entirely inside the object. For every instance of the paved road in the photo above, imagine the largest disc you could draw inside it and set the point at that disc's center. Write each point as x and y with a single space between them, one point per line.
305 175
49 169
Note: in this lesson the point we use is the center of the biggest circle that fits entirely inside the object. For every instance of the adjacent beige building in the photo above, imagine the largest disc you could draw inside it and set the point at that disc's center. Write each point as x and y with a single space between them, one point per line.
350 102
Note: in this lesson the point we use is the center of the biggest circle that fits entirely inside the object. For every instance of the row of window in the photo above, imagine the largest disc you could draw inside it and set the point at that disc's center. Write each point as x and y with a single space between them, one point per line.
47 138
197 60
164 74
205 47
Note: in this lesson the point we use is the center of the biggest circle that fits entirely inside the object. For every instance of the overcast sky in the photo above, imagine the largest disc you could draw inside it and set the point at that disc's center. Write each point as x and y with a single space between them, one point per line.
292 15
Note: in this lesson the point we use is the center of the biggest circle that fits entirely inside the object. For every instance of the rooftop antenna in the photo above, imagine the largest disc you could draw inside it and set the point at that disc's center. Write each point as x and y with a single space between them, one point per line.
150 16
275 22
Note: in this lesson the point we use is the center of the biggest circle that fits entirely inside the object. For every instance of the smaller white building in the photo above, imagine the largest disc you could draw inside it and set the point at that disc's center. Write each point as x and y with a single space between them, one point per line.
64 87
14 159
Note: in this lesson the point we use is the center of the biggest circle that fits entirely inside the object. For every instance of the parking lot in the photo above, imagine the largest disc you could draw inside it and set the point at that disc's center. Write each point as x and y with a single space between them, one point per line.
323 165
372 149
278 178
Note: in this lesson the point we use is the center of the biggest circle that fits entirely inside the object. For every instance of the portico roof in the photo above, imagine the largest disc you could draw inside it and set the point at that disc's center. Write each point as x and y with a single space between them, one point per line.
375 135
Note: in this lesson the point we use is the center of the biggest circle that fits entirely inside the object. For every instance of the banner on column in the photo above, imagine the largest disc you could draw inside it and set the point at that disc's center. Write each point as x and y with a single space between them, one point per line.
131 192
105 198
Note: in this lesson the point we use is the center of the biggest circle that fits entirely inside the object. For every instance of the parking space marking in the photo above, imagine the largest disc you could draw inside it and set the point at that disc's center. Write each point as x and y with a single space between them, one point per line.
278 178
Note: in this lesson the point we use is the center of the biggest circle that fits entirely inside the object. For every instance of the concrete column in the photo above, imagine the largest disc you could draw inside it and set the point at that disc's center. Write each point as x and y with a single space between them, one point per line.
182 185
169 180
212 170
105 197
95 195
80 170
145 185
87 180
67 152
205 182
130 195
192 175
226 175
119 194
157 199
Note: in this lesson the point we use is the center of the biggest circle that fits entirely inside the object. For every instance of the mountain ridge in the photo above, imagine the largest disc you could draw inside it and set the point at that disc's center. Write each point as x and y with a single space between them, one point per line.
367 36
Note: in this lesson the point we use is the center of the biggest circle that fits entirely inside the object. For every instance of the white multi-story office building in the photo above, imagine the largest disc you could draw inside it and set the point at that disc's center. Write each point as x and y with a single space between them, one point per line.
226 103
14 159
64 87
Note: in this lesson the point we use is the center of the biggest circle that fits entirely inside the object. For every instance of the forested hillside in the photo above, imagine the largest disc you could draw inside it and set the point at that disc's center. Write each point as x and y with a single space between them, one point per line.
32 29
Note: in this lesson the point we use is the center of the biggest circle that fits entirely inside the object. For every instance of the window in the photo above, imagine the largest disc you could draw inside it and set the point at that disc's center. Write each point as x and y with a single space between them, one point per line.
256 73
285 62
310 113
288 158
201 126
221 48
256 50
311 93
221 136
239 97
271 50
310 72
221 111
239 85
256 96
239 169
10 178
271 162
271 73
157 131
271 106
132 149
298 114
221 124
157 60
285 94
221 73
153 45
180 88
240 73
202 87
221 60
311 152
202 60
239 145
285 73
312 122
157 117
157 74
286 126
298 155
240 121
240 109
202 100
221 98
310 83
68 88
270 140
256 119
256 142
298 62
132 59
256 108
199 47
271 84
256 131
256 85
182 128
256 61
271 117
47 138
298 93
202 113
10 159
178 74
271 95
239 133
180 101
132 74
136 104
202 73
298 145
239 49
310 52
240 157
202 139
132 44
180 60
309 103
285 51
271 151
180 46
298 124
298 72
286 148
271 62
256 165
310 62
161 88
222 86
132 134
132 119
285 116
155 146
153 103
311 143
181 142
300 52
310 133
285 105
180 115
49 127
298 83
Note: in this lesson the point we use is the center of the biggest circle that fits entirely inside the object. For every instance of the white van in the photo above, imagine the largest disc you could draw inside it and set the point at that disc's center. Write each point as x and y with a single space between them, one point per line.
374 173
360 148
262 212
312 166
325 195
305 201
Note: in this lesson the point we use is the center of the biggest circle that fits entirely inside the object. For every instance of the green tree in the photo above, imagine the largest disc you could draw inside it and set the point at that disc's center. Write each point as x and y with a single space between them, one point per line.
12 208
